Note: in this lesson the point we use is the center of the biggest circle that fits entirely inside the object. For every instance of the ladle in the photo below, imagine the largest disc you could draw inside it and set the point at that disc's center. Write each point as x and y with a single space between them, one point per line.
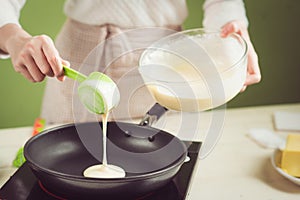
97 92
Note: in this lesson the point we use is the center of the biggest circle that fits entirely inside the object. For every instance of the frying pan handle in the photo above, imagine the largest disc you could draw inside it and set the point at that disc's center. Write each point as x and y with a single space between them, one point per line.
153 115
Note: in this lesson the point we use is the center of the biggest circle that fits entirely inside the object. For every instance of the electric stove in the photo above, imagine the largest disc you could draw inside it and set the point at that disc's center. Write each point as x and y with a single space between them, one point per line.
23 185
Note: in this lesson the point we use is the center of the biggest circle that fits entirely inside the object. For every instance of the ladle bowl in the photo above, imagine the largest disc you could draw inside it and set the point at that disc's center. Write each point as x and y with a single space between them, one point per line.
97 92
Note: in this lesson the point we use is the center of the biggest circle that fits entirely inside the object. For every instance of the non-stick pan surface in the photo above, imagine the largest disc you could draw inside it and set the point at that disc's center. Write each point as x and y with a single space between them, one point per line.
58 157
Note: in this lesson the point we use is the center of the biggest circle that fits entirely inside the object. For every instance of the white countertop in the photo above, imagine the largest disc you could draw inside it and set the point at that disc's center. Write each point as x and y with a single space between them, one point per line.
237 168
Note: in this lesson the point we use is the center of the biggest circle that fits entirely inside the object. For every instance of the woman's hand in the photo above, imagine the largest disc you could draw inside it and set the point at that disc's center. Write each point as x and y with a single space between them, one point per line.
33 57
253 70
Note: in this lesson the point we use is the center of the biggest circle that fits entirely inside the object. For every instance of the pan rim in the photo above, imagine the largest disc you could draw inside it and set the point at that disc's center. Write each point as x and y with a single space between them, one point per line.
150 175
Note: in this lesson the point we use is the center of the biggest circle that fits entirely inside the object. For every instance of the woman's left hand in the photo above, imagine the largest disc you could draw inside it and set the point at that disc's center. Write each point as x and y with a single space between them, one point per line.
253 75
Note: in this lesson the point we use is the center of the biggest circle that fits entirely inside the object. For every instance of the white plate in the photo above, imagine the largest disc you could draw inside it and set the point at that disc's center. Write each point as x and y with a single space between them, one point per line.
276 159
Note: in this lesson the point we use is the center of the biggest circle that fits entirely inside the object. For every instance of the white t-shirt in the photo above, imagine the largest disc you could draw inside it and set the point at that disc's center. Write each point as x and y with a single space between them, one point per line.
135 13
131 13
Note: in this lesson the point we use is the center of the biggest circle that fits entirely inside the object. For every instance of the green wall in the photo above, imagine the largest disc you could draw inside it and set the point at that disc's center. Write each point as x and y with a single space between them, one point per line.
20 99
274 31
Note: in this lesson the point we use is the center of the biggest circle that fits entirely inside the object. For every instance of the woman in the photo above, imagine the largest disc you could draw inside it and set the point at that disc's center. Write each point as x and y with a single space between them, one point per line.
90 23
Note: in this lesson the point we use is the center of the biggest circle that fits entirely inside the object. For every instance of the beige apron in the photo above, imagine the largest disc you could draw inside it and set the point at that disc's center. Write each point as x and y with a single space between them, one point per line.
106 48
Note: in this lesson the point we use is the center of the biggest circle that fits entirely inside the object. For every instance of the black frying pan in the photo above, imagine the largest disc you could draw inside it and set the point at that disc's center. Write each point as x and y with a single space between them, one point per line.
150 157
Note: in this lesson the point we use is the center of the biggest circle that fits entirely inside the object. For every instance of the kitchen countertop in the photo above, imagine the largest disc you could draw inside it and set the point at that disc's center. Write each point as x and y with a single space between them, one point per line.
237 168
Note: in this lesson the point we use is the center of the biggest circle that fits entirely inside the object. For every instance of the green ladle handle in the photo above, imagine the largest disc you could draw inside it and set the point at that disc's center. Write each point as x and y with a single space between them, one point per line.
73 74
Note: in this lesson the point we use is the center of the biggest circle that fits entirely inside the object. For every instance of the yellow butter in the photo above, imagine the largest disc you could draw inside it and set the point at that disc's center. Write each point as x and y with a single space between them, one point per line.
290 161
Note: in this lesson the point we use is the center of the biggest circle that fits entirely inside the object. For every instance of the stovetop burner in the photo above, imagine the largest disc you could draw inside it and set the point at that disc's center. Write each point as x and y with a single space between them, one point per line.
23 185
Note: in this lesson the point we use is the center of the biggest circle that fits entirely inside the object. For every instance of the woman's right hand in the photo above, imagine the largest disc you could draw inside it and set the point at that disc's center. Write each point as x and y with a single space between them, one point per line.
33 56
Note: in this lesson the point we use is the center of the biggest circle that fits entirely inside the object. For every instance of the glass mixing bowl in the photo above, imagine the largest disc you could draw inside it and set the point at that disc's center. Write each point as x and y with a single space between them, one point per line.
195 70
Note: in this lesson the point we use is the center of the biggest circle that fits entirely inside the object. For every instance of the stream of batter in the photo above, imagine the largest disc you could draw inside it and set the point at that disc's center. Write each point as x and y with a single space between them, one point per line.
104 170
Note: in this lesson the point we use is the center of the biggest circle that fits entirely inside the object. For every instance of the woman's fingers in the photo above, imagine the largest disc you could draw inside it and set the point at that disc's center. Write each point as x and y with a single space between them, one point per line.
42 62
51 55
23 70
37 57
231 27
62 76
254 75
34 70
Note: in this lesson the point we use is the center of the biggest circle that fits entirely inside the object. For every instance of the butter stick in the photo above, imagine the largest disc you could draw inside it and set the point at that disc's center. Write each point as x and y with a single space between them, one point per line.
290 161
